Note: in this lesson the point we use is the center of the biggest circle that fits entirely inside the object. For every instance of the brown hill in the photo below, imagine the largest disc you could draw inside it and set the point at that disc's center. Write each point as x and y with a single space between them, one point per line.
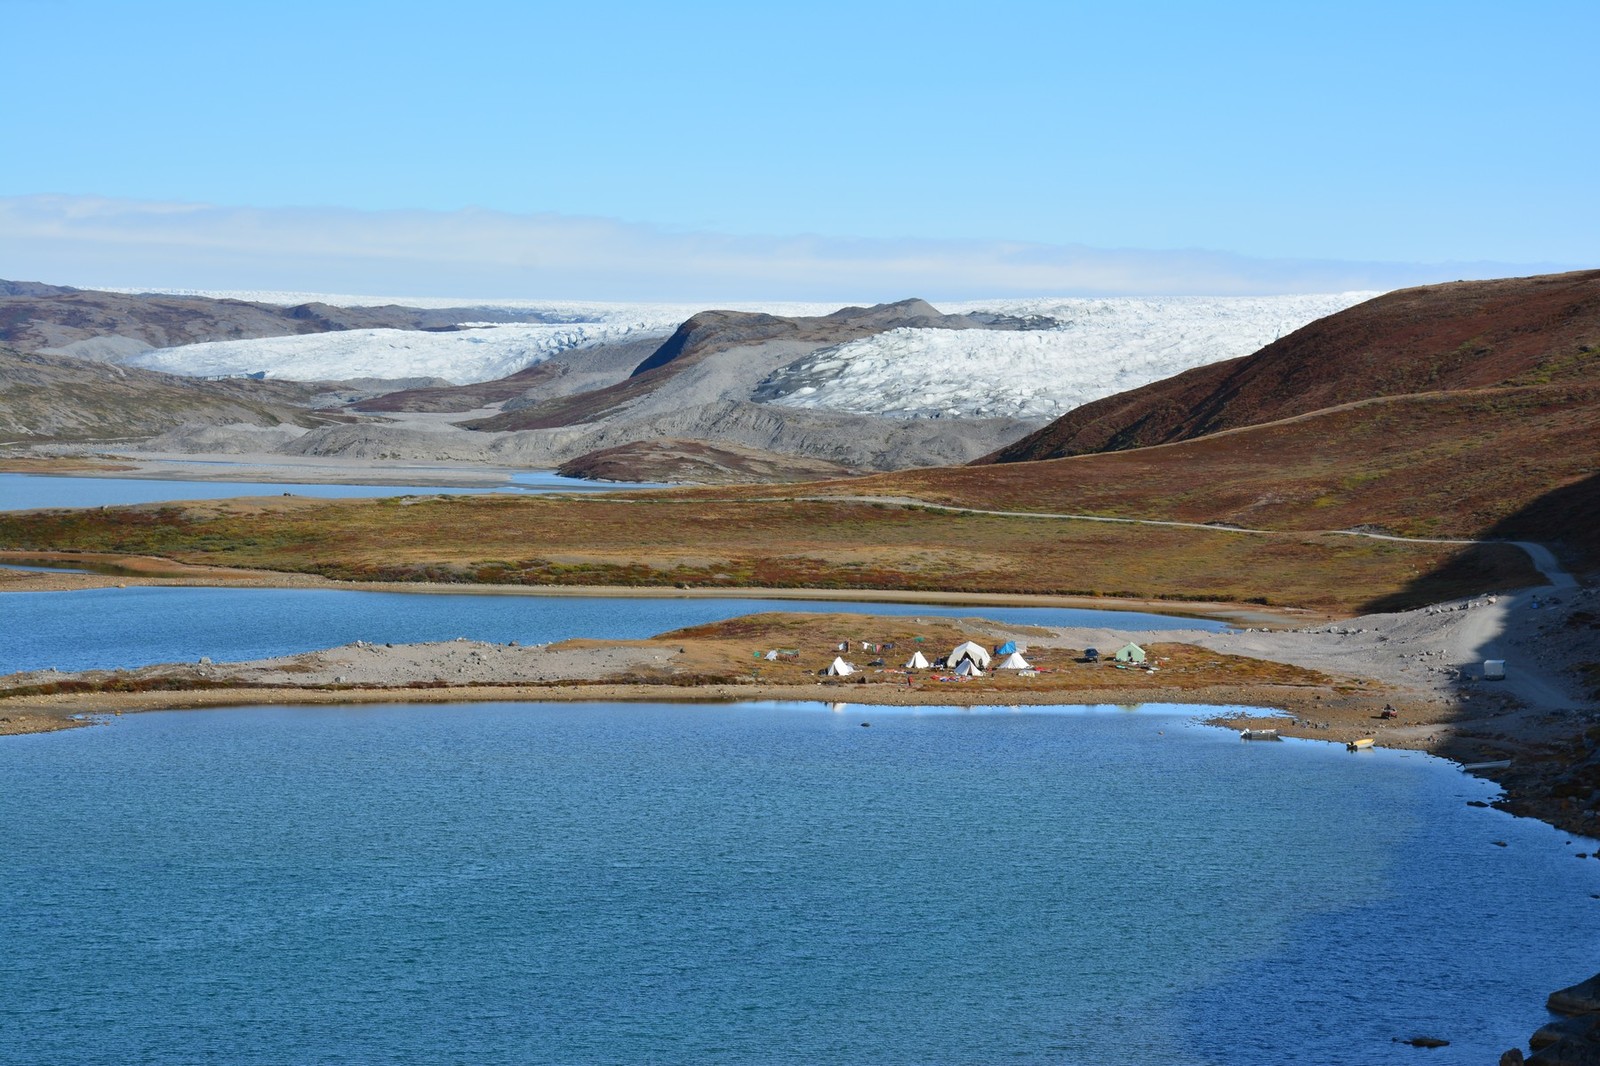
1468 464
697 462
1439 337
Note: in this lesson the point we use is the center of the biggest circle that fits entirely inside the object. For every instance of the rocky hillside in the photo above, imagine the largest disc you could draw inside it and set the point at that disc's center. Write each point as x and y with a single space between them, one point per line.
53 398
601 408
675 408
108 325
726 355
1436 338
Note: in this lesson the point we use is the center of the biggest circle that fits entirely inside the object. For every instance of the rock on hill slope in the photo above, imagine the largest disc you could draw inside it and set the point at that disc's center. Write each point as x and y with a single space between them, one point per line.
645 405
60 320
1461 335
52 398
725 355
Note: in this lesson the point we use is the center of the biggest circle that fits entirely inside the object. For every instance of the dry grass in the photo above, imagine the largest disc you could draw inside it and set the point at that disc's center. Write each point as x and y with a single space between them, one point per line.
676 539
1443 465
1428 465
730 651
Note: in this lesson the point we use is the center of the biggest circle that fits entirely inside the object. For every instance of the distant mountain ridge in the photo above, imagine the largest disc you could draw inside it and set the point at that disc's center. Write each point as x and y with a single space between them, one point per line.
1459 335
61 320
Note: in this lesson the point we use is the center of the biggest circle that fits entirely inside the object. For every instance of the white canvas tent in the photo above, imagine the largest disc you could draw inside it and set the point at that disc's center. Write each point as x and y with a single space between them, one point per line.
968 668
1130 653
839 668
1014 661
968 650
918 661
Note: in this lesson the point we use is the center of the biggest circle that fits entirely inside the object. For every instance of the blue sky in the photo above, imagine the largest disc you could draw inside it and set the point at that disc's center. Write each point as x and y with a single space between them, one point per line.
1423 133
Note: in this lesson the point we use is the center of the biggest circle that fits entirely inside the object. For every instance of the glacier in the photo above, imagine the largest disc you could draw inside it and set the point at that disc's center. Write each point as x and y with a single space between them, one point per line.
472 354
1088 349
1079 349
482 353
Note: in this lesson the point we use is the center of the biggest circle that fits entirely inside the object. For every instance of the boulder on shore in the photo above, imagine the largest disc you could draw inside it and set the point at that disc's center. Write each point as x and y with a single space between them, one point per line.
1581 998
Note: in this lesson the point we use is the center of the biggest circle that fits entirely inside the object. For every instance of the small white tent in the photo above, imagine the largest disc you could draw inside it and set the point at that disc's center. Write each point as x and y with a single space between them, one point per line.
839 668
968 650
1130 653
968 668
1015 661
918 661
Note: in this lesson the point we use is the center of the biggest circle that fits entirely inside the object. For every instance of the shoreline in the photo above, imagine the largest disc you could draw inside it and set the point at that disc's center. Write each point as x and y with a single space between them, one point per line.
1326 713
265 468
155 571
1426 663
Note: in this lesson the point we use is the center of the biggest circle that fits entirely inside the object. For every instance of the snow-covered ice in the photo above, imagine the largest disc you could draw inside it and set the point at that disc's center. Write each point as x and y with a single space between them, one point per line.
482 354
1098 347
469 355
1091 348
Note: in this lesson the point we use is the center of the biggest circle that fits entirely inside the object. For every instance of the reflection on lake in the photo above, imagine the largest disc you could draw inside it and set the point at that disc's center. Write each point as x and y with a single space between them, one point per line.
23 491
109 628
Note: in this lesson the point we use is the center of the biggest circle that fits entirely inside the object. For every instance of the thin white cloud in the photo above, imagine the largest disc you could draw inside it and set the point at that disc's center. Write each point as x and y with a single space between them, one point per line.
88 241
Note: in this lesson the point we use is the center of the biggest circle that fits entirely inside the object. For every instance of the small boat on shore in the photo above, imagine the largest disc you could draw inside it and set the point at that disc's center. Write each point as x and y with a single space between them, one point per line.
1360 745
1259 734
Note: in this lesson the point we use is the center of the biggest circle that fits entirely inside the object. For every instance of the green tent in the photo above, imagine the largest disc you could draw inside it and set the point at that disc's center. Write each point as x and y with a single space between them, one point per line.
1130 653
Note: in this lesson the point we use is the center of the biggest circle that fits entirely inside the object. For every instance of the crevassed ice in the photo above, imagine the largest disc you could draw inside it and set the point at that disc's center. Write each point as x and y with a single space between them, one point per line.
463 357
482 354
1098 347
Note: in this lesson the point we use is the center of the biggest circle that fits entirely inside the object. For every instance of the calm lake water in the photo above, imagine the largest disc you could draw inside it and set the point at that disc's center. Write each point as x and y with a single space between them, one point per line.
109 628
23 491
524 883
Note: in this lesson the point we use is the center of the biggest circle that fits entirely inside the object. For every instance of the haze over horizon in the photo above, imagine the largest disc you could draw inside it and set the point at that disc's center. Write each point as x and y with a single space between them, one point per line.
831 152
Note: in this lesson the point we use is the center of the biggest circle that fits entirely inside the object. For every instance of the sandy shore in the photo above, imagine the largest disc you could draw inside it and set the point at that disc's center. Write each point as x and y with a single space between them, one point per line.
260 466
146 570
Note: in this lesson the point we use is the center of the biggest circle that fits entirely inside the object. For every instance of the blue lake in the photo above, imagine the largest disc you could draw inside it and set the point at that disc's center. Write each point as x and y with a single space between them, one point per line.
24 491
524 883
110 628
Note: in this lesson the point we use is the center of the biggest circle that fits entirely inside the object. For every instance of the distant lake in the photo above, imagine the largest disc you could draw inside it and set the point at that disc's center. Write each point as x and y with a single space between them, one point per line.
24 491
521 883
129 627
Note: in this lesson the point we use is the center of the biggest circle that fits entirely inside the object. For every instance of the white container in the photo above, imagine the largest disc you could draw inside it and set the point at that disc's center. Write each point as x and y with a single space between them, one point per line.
1494 669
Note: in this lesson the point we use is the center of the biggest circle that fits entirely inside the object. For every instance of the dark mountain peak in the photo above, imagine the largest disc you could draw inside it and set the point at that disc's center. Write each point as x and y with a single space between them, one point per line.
717 331
33 288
